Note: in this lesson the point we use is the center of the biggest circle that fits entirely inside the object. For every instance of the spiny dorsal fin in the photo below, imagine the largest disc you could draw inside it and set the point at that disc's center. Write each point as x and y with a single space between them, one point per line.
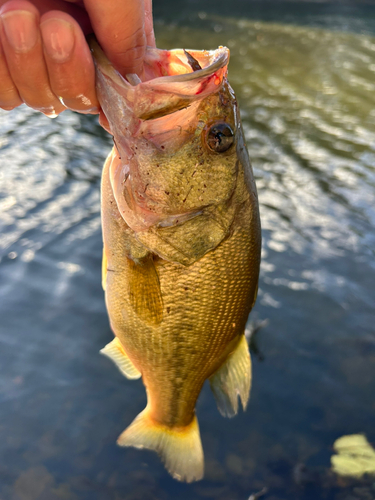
233 379
144 290
115 351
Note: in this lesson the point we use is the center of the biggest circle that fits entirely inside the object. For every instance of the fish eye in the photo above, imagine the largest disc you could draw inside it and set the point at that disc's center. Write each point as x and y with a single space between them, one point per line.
220 137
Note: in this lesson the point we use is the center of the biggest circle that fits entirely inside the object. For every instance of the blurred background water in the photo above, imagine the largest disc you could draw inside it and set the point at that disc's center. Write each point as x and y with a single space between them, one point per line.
304 75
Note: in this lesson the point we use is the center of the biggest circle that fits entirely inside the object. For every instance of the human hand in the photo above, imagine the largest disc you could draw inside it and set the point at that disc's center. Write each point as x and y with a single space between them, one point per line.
45 61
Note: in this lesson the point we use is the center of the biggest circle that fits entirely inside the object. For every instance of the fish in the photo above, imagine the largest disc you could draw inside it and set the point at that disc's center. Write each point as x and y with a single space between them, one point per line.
181 244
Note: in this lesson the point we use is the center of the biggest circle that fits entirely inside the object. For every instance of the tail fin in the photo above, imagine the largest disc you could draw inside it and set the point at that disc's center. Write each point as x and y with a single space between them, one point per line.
180 448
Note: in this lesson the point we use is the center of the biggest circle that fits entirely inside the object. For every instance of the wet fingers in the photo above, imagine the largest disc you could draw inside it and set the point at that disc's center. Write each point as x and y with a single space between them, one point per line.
23 50
9 96
45 62
69 62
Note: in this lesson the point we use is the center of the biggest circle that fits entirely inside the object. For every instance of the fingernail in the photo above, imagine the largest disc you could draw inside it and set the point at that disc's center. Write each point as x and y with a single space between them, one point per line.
20 29
51 114
48 111
70 105
90 111
58 39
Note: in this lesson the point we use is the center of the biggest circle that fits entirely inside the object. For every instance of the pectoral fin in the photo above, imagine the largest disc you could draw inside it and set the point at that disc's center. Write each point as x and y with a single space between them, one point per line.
233 379
144 290
117 354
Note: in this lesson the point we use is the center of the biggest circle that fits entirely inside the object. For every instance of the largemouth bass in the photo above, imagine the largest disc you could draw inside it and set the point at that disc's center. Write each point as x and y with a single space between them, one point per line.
182 242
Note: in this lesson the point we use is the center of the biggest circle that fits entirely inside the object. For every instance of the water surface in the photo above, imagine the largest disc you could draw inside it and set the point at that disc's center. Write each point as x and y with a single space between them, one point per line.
305 81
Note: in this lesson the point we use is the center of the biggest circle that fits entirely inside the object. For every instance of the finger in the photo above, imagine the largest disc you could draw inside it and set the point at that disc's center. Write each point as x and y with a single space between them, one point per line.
149 24
69 62
120 29
9 96
75 8
22 45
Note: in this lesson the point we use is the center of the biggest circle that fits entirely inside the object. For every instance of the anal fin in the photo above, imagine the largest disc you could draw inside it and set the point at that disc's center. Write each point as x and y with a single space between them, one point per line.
179 448
117 354
233 379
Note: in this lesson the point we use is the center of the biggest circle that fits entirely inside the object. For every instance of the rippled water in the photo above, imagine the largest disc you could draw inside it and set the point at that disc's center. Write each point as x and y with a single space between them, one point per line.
306 87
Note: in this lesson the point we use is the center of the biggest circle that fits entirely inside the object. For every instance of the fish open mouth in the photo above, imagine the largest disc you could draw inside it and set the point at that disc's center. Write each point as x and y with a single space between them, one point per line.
177 65
180 65
173 79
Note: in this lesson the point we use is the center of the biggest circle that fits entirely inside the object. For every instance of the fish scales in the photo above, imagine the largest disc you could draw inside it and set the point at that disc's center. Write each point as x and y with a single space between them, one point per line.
183 341
181 252
194 310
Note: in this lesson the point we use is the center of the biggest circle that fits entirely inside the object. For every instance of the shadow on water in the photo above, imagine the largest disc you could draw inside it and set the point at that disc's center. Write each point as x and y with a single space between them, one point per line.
304 76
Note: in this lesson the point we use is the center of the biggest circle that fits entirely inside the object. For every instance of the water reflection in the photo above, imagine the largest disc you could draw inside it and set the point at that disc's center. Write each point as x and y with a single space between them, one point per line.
306 96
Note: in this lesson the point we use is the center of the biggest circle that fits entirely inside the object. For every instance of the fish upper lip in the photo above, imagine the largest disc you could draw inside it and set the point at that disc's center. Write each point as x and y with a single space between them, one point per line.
220 60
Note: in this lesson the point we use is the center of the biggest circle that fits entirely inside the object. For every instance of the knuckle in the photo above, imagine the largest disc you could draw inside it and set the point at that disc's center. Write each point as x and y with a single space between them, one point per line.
135 54
9 108
9 98
44 98
135 38
131 49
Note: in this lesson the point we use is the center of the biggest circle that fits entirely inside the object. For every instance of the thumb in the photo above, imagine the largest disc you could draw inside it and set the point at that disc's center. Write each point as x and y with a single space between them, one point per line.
123 30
